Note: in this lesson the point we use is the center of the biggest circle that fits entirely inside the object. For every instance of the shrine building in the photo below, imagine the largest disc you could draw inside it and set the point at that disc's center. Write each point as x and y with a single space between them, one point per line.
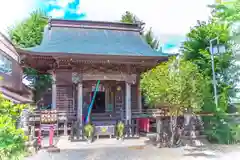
79 53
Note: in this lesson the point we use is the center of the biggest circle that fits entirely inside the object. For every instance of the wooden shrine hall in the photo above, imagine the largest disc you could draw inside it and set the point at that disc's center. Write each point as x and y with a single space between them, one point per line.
78 53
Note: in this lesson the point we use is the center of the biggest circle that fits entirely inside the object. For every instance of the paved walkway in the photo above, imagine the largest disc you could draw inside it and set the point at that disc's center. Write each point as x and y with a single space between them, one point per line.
133 150
65 144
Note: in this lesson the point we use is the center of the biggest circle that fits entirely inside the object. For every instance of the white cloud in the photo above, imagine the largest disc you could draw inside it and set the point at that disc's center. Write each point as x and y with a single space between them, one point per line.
12 12
173 50
170 19
57 13
60 3
172 16
51 2
63 3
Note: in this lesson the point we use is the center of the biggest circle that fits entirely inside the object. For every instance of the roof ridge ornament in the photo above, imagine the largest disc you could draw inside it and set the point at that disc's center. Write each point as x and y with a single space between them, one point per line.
87 24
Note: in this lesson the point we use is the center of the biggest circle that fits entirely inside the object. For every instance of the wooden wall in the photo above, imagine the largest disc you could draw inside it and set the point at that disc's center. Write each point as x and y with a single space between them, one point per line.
13 80
67 93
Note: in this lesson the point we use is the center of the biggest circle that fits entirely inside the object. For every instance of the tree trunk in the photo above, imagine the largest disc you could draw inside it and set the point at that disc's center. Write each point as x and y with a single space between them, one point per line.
173 125
159 127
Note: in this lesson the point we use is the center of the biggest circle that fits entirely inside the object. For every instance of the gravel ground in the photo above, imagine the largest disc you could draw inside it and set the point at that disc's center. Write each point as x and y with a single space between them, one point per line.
213 152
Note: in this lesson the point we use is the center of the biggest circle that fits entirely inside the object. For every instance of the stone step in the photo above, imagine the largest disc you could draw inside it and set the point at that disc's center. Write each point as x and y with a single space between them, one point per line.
194 137
195 142
106 122
107 118
197 132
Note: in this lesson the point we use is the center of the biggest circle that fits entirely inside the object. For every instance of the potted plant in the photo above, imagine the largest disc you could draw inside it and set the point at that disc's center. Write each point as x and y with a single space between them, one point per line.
88 130
120 130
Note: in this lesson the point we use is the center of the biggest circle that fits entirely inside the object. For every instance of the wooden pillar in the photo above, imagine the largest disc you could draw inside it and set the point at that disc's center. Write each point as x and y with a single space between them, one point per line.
80 102
128 103
139 98
139 94
54 90
106 87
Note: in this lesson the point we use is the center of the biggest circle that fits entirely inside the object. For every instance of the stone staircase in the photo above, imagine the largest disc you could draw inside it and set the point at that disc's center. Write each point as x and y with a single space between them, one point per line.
193 134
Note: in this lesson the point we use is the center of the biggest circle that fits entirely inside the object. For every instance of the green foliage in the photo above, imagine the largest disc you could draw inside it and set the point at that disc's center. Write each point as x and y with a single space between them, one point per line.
196 50
149 38
129 17
219 128
40 82
196 47
29 33
120 129
227 11
177 84
222 128
12 140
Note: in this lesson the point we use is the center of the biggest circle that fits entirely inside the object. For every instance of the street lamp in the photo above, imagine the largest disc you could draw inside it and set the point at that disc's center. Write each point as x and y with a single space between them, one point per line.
215 50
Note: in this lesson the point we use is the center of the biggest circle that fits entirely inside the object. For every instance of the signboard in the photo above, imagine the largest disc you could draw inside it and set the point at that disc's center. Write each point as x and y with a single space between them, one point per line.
105 130
101 88
48 117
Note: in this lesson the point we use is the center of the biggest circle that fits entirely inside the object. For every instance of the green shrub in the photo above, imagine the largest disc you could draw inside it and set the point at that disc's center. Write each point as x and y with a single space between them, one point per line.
222 129
12 140
88 130
120 129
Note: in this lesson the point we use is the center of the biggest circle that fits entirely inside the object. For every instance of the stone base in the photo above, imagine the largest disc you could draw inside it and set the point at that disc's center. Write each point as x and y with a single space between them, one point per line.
53 149
196 141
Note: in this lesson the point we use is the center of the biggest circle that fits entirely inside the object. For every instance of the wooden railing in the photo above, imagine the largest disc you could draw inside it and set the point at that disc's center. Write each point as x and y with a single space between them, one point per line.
62 115
65 119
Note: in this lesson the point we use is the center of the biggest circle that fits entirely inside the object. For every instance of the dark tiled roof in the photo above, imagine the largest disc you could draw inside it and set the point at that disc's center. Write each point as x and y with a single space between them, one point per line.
96 41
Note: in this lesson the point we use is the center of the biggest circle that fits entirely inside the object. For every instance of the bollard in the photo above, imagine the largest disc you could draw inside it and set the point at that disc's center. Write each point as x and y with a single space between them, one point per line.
39 140
51 147
51 135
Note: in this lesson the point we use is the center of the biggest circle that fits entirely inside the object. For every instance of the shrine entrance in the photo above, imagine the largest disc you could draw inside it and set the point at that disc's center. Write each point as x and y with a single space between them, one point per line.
99 103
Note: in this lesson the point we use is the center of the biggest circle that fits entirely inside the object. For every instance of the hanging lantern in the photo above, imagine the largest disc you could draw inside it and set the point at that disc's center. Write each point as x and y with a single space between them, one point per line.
119 88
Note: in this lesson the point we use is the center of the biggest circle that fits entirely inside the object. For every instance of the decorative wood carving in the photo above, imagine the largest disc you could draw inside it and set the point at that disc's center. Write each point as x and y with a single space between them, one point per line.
76 77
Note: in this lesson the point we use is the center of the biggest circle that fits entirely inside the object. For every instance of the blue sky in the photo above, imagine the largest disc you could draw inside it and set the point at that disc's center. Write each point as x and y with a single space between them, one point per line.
169 19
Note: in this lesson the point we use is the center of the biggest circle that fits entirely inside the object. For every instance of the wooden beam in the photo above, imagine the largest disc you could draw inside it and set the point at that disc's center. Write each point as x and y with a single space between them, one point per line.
103 61
118 77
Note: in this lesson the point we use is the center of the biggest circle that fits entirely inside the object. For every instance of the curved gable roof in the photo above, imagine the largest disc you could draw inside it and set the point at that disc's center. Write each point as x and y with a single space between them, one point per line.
91 37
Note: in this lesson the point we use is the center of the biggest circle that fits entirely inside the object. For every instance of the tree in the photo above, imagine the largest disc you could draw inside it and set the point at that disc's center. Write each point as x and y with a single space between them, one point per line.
196 50
29 33
228 11
12 140
177 84
148 36
129 17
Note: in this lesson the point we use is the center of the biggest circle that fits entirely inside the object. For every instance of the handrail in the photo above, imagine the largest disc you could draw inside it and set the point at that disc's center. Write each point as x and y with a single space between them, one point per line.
93 99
